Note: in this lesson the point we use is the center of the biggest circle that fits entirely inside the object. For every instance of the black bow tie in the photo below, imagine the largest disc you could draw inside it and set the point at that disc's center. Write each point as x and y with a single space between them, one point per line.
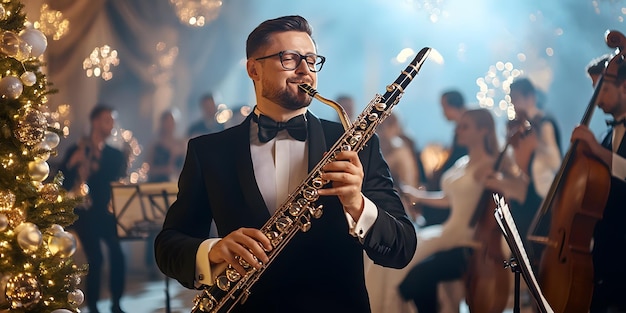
268 128
614 123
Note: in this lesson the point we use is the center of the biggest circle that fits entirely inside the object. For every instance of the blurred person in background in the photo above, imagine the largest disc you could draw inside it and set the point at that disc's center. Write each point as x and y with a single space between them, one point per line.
93 165
208 124
453 106
167 151
399 150
347 102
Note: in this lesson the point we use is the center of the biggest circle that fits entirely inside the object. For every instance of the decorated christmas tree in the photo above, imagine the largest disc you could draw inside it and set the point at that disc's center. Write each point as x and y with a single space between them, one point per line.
37 273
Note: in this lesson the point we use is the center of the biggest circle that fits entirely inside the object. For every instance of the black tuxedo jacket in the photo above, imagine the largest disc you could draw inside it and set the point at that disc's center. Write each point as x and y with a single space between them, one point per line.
610 242
320 270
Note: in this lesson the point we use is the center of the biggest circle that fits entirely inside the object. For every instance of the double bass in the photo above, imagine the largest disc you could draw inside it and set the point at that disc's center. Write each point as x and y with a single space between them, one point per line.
487 283
575 202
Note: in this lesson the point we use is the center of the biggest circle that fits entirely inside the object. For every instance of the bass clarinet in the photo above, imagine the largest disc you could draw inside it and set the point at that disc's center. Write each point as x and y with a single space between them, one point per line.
295 214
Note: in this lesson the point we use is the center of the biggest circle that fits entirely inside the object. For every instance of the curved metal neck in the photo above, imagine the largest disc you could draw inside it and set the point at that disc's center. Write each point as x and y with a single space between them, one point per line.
343 116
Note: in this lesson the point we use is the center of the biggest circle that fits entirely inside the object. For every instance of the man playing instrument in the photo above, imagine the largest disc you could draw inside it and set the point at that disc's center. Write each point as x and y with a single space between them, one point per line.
610 233
240 176
94 163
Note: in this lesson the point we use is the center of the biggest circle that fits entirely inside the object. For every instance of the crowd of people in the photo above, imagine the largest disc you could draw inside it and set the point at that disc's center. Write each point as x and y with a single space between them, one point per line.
392 230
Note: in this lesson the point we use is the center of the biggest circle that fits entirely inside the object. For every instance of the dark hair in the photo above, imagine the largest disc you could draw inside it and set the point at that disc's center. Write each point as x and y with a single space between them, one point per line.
99 109
621 73
524 87
206 97
260 36
597 65
343 97
454 98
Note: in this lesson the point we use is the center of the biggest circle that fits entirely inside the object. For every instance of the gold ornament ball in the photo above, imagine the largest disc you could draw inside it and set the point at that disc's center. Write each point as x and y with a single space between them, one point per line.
50 192
7 200
62 244
38 170
31 125
16 217
28 237
23 291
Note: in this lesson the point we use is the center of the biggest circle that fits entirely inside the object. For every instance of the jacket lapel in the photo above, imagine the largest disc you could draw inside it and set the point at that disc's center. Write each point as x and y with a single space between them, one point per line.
317 141
245 173
621 151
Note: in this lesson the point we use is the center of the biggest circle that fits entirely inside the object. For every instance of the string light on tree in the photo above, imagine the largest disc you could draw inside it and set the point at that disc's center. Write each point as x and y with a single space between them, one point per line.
99 62
197 12
30 202
495 87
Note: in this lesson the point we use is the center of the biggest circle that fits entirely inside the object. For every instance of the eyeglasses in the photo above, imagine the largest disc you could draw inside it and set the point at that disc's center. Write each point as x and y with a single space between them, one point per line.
290 60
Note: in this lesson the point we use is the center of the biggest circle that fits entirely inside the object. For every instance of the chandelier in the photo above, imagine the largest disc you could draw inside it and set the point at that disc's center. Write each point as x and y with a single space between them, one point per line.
100 61
197 12
52 22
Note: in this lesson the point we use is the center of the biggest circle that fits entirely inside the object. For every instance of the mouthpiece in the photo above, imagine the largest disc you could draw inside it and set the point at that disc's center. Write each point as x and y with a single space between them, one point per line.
343 116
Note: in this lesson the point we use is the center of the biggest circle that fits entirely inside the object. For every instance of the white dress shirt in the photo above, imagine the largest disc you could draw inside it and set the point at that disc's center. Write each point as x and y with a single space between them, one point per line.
279 175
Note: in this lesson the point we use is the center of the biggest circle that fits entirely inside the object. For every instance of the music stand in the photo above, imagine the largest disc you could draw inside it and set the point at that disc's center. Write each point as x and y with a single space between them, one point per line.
139 209
520 264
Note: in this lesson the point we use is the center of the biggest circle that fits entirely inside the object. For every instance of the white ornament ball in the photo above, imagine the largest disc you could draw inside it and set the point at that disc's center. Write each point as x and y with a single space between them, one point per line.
28 236
3 12
62 244
36 40
11 87
23 51
38 170
52 139
28 78
43 151
76 298
62 311
55 228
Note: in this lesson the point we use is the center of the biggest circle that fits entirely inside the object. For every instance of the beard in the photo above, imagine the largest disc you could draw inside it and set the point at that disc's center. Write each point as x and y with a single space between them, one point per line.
286 98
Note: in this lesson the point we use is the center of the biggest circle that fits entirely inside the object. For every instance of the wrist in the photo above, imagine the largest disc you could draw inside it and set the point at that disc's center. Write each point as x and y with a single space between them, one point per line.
356 209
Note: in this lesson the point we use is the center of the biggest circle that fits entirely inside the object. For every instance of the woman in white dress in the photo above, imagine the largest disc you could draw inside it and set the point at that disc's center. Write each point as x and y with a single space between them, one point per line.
441 249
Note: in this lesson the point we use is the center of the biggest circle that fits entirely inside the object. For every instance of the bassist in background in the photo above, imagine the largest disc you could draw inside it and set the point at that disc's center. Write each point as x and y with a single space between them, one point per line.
609 253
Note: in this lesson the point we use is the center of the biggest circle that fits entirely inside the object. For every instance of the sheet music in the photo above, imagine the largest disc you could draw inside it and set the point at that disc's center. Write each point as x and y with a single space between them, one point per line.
509 229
